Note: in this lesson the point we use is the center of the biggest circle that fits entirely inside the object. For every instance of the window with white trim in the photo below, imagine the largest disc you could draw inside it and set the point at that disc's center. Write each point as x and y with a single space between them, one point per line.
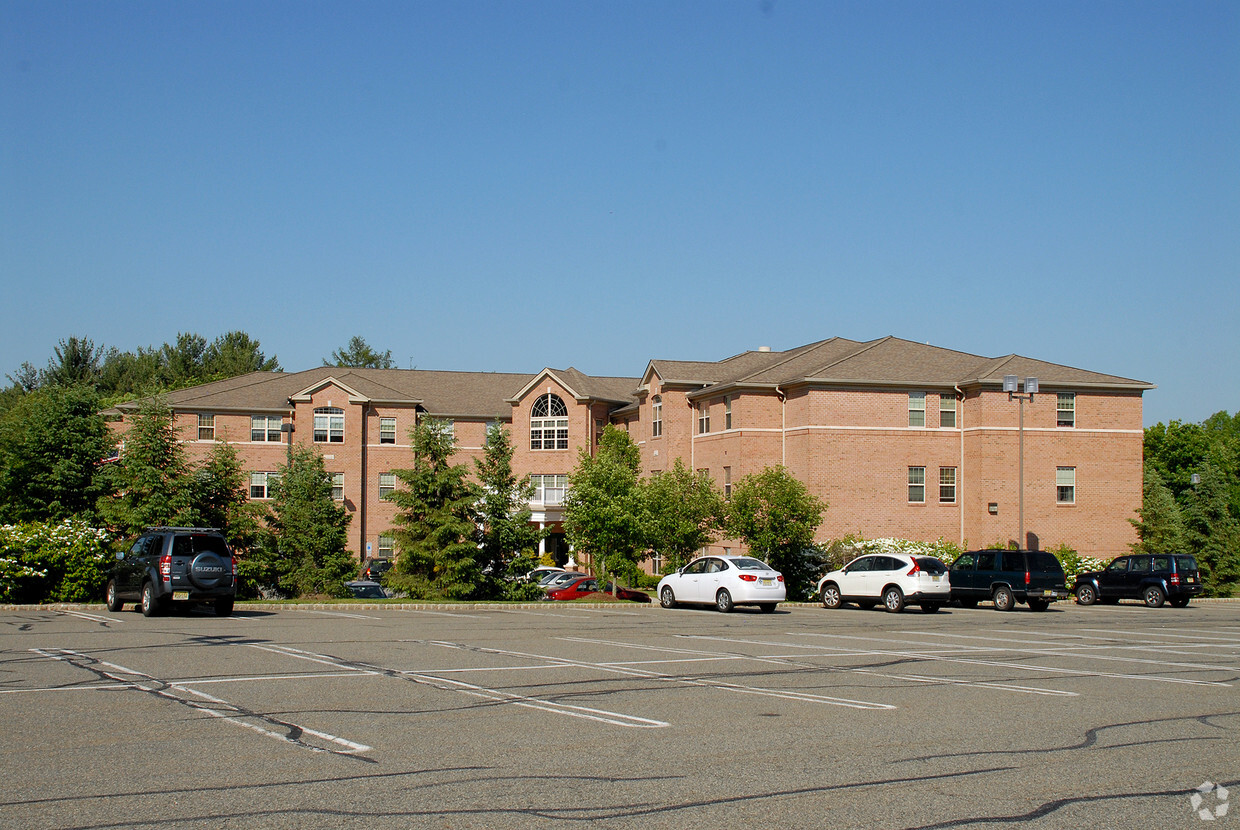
1065 485
386 546
387 430
656 416
947 485
261 484
917 409
329 425
727 482
337 480
703 413
206 427
387 483
265 428
1065 409
549 489
549 423
727 412
947 411
917 485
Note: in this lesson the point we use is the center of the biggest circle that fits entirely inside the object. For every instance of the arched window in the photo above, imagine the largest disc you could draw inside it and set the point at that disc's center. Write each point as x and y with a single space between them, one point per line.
548 423
328 425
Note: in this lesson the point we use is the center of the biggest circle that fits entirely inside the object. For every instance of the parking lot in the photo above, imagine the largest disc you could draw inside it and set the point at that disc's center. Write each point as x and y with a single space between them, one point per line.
618 717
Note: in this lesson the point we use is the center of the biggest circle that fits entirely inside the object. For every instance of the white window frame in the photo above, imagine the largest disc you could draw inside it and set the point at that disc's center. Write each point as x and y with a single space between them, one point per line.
549 488
206 427
260 485
387 484
727 412
260 426
916 485
656 417
947 411
386 546
1065 410
917 410
1065 485
337 480
329 422
947 485
387 430
703 414
548 423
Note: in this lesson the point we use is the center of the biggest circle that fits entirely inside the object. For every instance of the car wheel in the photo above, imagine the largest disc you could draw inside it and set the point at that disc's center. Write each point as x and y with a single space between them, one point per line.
149 605
224 606
893 599
666 598
930 607
723 600
831 596
1004 601
1179 602
1038 604
866 604
114 603
1086 595
1154 596
767 607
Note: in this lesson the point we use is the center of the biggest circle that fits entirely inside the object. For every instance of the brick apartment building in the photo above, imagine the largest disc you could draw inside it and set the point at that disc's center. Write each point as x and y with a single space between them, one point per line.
900 439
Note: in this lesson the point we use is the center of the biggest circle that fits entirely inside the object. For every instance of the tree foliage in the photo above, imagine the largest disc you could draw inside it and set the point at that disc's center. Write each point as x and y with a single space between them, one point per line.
437 536
503 509
684 513
359 354
151 484
776 516
604 511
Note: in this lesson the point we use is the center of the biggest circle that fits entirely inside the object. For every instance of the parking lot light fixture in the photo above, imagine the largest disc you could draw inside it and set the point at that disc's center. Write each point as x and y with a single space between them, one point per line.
1010 383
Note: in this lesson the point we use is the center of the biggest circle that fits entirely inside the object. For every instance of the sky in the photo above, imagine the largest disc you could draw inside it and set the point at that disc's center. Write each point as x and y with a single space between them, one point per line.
507 186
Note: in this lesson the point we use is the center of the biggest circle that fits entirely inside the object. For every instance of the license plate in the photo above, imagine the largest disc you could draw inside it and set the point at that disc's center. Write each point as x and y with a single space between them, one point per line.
766 582
935 578
1190 580
180 595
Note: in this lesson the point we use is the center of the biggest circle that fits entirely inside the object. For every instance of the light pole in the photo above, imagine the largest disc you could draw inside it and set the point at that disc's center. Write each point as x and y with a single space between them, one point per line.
1031 388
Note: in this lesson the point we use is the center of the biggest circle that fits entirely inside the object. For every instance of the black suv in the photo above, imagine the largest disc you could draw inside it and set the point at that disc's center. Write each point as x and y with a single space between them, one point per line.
1007 577
1152 579
174 564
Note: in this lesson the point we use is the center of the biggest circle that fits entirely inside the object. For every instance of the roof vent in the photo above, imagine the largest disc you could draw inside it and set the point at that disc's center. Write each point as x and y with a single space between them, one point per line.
764 348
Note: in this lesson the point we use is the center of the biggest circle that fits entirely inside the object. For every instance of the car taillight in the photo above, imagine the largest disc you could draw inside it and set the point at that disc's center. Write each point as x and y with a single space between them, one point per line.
780 577
1174 579
165 566
748 578
1027 578
916 569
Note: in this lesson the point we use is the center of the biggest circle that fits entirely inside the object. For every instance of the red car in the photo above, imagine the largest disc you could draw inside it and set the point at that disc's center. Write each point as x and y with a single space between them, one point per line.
586 585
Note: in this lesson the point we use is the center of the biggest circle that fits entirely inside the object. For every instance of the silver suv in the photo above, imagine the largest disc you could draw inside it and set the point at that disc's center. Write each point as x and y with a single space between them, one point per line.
165 565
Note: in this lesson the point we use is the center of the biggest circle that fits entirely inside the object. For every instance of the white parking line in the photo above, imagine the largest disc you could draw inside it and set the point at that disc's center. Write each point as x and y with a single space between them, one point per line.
337 614
92 617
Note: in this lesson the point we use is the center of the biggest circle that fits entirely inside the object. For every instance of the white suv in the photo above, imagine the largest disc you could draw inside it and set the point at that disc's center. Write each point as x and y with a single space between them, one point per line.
894 579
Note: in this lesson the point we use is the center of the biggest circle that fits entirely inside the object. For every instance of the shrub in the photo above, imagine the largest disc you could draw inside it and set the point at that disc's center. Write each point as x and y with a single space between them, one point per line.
1074 564
840 552
65 562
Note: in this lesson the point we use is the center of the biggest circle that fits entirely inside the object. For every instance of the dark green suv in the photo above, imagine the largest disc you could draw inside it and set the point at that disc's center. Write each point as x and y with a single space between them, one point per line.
1007 577
1152 579
166 565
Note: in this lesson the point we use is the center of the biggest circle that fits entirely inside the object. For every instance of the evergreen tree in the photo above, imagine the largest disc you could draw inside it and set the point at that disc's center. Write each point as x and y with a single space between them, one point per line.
685 512
151 483
306 539
437 524
1214 532
604 513
222 498
76 362
776 516
236 353
358 354
52 446
1161 526
504 506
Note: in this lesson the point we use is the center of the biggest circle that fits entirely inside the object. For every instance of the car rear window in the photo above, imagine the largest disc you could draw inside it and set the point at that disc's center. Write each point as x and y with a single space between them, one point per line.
931 565
1185 563
751 565
198 543
1044 563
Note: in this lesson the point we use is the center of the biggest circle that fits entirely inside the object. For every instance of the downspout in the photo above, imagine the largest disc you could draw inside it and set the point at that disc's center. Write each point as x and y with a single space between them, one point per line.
361 499
960 469
783 427
692 434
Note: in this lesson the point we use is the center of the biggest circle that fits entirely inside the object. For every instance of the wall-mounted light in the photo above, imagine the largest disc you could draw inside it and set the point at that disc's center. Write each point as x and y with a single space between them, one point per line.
993 508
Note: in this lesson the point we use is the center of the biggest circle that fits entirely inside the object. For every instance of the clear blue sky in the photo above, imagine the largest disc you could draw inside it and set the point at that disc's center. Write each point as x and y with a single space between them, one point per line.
512 185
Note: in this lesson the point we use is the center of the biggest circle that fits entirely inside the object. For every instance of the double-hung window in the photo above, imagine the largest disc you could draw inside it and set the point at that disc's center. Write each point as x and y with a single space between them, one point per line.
947 485
1065 485
947 411
387 483
1065 410
656 417
727 413
261 484
337 480
329 425
387 430
265 428
703 409
549 489
917 409
206 427
917 485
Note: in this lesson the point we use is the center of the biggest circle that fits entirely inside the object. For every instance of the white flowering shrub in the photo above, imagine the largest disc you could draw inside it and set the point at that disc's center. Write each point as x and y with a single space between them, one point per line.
1074 564
842 551
65 562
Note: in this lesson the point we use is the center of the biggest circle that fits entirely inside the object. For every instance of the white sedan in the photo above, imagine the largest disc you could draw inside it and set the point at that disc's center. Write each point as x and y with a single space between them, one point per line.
724 582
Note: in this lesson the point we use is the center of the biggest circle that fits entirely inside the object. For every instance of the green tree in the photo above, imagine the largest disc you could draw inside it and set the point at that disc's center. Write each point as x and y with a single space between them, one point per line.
503 508
306 540
77 361
184 362
236 353
437 524
685 512
358 354
776 516
1214 532
604 511
52 445
222 499
1160 528
151 484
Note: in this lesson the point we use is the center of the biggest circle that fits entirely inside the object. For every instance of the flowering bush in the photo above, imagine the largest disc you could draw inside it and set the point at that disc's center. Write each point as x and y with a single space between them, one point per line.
64 562
839 553
1074 564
